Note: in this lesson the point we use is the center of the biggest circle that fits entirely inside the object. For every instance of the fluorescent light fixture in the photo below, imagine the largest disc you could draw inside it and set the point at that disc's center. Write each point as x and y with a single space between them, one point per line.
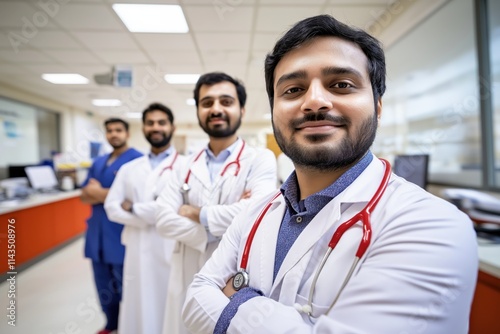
134 115
152 18
65 78
190 102
106 102
180 79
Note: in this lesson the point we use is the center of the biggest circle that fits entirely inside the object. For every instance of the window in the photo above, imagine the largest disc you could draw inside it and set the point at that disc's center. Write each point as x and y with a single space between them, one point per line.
432 101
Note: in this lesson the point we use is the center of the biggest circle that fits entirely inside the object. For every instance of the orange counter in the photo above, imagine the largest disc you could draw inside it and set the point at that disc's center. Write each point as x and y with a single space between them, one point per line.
40 225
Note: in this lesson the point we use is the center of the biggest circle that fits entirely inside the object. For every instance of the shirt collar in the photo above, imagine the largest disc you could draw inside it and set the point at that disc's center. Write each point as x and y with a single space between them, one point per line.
161 155
224 154
315 202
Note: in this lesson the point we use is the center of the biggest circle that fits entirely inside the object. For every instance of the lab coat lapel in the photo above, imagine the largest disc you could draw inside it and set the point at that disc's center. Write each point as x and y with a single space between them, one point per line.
309 237
199 171
264 244
329 218
231 170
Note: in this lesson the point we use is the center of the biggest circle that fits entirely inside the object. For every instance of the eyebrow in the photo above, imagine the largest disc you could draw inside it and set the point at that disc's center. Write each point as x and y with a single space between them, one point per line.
209 97
291 76
331 70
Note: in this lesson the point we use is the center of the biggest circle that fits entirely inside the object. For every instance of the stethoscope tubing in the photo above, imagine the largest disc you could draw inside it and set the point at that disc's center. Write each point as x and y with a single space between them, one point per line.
236 161
363 216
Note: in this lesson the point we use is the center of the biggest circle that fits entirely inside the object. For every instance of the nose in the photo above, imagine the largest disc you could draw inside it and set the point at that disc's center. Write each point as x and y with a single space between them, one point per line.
216 107
317 98
156 126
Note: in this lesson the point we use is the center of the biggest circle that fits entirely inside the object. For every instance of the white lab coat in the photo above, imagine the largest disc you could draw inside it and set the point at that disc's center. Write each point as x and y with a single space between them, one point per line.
222 200
417 276
147 255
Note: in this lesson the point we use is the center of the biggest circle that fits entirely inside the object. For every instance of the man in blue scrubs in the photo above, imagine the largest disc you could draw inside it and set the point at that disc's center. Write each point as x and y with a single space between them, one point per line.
102 242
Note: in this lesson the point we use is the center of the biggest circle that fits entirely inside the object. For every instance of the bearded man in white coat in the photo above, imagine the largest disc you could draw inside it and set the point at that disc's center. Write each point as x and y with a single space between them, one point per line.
412 270
217 183
131 202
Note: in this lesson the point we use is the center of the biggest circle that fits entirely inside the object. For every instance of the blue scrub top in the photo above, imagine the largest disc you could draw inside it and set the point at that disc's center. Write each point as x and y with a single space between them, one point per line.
103 237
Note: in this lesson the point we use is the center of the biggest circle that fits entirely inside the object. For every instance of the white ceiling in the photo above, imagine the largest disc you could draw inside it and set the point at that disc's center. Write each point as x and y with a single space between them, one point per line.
87 37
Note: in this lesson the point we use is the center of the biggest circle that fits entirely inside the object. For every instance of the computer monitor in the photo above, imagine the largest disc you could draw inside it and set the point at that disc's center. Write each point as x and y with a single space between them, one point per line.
42 178
413 168
17 170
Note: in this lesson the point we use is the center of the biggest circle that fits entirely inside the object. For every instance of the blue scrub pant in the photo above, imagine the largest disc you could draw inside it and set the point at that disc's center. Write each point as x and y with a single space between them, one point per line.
108 280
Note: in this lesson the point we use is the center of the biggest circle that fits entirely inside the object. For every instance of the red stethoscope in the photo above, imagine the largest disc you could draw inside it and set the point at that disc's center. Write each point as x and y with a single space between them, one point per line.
171 164
242 279
185 186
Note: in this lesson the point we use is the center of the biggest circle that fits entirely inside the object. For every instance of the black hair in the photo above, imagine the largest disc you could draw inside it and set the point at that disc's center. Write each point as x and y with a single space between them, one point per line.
216 77
116 120
328 26
158 106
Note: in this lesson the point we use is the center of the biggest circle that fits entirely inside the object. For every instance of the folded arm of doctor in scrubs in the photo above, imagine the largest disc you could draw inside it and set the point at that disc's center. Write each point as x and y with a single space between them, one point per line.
325 82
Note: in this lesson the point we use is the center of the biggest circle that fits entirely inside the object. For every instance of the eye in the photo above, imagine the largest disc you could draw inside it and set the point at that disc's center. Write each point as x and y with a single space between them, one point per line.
226 102
293 90
207 103
342 85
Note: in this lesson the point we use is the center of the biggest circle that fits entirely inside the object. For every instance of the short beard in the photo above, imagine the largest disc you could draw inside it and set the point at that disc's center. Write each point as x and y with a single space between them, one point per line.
322 159
221 132
166 139
117 147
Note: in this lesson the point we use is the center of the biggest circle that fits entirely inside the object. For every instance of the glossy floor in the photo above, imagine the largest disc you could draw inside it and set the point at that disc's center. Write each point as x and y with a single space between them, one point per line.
54 296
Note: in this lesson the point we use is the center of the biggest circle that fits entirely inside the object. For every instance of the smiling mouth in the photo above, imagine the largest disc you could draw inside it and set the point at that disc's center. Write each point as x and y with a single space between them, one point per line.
319 125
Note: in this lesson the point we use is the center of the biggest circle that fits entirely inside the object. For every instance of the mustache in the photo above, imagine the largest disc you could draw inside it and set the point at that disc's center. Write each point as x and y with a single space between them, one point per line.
314 117
217 116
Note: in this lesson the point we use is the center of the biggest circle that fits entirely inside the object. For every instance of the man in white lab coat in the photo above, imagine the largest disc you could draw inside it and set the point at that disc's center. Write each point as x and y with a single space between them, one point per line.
417 263
217 182
131 202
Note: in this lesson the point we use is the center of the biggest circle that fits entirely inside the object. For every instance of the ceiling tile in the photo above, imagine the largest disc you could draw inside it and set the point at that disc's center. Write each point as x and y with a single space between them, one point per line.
73 57
177 42
25 57
264 42
170 2
280 19
174 58
225 57
106 40
363 2
27 19
9 68
47 68
290 2
54 40
221 4
361 17
208 19
223 41
123 57
88 16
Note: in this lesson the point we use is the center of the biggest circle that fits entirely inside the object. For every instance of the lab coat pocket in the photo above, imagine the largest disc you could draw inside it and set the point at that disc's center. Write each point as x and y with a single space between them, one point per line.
317 310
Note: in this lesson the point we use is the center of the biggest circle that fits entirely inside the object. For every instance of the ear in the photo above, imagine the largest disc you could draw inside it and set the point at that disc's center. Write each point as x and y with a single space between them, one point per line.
243 110
379 109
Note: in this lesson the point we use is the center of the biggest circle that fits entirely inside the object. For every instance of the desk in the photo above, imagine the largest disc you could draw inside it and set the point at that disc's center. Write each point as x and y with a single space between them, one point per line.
42 222
484 316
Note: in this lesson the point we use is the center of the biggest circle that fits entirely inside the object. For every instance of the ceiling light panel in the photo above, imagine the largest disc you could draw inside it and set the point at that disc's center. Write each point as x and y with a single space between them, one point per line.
65 78
152 18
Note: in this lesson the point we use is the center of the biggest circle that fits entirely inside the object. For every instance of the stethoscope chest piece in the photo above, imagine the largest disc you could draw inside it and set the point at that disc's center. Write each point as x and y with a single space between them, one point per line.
240 280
